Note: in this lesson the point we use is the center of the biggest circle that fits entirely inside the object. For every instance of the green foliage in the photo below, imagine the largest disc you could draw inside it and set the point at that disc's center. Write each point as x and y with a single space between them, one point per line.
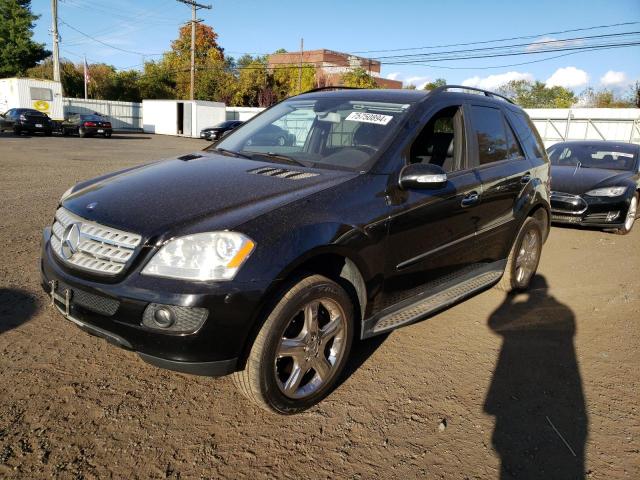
71 76
536 94
606 98
438 82
18 52
358 78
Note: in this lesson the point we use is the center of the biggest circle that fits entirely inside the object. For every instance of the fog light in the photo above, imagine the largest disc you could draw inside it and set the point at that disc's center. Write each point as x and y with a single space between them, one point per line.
164 317
611 216
174 318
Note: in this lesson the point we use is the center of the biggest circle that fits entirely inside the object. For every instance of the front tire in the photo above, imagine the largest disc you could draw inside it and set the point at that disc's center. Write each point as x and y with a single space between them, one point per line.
631 216
524 257
301 349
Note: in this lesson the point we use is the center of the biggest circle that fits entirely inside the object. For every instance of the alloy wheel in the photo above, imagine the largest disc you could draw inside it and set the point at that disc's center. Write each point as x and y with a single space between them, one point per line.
311 348
527 259
631 214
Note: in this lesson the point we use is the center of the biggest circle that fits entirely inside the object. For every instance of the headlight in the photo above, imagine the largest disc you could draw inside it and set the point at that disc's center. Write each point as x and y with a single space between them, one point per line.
607 192
66 194
203 256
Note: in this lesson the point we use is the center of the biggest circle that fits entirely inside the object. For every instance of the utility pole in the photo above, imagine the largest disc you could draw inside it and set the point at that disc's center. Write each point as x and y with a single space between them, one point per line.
56 39
194 8
300 68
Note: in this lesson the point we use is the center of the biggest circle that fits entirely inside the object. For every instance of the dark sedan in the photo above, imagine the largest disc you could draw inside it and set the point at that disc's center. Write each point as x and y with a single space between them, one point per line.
595 183
272 135
26 120
86 125
216 132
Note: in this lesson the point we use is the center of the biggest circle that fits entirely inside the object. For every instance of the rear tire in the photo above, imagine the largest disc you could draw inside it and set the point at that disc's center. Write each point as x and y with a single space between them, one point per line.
524 257
300 351
631 216
107 135
82 133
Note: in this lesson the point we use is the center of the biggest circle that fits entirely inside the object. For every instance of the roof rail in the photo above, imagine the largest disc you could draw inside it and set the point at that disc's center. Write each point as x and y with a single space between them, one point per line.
487 93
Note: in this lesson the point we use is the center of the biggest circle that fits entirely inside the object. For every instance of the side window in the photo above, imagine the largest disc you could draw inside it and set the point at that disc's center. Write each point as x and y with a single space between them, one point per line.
441 141
528 134
490 133
41 94
514 150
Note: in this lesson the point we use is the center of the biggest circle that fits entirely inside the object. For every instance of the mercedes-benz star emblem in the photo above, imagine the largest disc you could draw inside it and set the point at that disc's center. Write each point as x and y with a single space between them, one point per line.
71 240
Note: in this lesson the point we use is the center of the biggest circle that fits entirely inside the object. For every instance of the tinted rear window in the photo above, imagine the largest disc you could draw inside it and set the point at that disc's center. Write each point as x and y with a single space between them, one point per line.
94 118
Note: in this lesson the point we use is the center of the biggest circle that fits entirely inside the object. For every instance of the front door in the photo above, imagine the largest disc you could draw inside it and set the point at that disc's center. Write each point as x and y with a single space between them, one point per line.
432 232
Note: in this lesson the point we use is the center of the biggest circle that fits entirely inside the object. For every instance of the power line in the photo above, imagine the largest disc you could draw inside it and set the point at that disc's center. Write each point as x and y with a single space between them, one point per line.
108 45
500 39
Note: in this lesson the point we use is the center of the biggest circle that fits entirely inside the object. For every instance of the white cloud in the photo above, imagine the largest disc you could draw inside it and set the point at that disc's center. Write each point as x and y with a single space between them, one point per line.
416 80
393 76
568 77
545 43
492 82
614 79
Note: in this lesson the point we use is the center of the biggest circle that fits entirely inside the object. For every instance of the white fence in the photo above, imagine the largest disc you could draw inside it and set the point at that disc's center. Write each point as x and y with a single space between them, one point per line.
123 115
560 124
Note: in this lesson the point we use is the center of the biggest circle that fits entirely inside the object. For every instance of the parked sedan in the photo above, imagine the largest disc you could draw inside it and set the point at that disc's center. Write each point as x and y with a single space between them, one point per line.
595 183
86 125
26 120
216 132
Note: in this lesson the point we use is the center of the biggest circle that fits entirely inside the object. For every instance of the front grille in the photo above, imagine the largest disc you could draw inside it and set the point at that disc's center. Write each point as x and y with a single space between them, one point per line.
567 203
565 218
95 303
97 249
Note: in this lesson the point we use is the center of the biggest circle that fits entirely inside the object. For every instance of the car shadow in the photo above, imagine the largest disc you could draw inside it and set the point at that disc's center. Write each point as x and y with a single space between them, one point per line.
361 350
16 307
536 395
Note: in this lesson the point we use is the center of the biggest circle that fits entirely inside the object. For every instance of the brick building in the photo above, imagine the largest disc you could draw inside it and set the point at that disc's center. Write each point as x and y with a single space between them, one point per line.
330 66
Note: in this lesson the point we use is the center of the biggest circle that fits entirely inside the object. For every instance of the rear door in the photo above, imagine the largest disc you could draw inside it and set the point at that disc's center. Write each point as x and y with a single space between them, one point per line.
432 232
504 173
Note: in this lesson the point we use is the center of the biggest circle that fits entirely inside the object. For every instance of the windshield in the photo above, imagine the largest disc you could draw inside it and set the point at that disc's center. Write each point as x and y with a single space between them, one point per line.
329 132
614 157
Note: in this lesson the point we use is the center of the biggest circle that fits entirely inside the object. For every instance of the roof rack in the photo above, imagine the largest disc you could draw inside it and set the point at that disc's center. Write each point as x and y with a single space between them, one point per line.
487 93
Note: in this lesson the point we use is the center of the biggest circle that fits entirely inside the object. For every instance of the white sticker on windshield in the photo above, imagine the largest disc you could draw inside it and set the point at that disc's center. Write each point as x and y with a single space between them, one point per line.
369 118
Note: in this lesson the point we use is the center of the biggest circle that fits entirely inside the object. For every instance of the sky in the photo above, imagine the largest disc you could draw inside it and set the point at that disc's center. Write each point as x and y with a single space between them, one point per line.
145 28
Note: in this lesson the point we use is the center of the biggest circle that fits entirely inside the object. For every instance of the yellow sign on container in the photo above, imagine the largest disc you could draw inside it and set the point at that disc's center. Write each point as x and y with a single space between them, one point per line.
41 105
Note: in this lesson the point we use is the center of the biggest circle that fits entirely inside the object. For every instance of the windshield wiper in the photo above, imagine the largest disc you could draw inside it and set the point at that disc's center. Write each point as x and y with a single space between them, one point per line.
283 158
233 153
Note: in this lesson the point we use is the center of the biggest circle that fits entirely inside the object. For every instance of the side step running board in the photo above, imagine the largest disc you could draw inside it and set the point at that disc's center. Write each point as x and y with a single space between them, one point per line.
430 303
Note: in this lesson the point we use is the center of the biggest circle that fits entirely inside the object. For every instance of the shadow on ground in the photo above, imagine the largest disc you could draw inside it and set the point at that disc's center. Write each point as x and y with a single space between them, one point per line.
16 308
536 393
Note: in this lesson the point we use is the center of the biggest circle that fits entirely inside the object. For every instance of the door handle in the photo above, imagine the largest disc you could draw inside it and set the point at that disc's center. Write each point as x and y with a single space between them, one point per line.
470 199
526 178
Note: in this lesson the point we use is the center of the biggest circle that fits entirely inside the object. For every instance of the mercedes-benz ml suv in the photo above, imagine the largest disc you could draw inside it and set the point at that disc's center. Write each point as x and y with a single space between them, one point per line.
266 261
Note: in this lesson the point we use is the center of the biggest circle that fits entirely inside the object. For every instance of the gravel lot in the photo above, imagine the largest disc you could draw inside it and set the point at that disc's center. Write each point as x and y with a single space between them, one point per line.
544 385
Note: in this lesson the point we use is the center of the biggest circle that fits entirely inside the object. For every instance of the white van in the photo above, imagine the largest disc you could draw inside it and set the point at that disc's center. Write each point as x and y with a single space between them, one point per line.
42 95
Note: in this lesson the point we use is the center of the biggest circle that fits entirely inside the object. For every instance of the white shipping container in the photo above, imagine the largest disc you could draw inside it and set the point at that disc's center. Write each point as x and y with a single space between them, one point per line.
181 117
42 95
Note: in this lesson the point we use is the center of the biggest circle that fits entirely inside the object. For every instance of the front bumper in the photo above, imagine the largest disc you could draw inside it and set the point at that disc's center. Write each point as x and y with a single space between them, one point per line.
587 211
213 349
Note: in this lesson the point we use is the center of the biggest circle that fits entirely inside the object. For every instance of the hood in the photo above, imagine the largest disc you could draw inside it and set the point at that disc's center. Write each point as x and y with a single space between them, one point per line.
577 181
165 197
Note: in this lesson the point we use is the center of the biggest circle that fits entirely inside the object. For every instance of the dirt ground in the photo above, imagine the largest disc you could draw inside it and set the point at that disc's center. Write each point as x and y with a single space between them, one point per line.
544 385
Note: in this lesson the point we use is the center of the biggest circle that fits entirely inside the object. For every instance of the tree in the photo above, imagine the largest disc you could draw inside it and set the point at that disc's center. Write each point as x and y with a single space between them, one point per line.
157 81
536 94
18 52
71 76
438 82
605 98
358 78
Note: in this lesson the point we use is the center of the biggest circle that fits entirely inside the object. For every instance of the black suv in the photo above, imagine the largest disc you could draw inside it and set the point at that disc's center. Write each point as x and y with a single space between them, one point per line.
267 261
27 120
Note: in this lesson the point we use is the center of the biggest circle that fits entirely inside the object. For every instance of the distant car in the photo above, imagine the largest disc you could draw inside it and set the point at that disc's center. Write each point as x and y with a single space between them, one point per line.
86 125
216 132
272 135
595 183
26 120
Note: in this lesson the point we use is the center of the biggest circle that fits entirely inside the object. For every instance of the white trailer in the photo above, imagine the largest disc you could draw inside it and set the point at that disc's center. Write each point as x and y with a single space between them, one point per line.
42 95
181 117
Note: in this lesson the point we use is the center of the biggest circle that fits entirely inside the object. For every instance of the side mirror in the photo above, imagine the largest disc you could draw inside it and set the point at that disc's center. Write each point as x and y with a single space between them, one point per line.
422 176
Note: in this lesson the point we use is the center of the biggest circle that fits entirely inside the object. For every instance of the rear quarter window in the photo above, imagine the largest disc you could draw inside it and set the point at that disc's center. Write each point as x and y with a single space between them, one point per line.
528 134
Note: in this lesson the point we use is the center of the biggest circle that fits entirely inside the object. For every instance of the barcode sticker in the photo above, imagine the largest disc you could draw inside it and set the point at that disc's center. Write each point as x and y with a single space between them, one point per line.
369 118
